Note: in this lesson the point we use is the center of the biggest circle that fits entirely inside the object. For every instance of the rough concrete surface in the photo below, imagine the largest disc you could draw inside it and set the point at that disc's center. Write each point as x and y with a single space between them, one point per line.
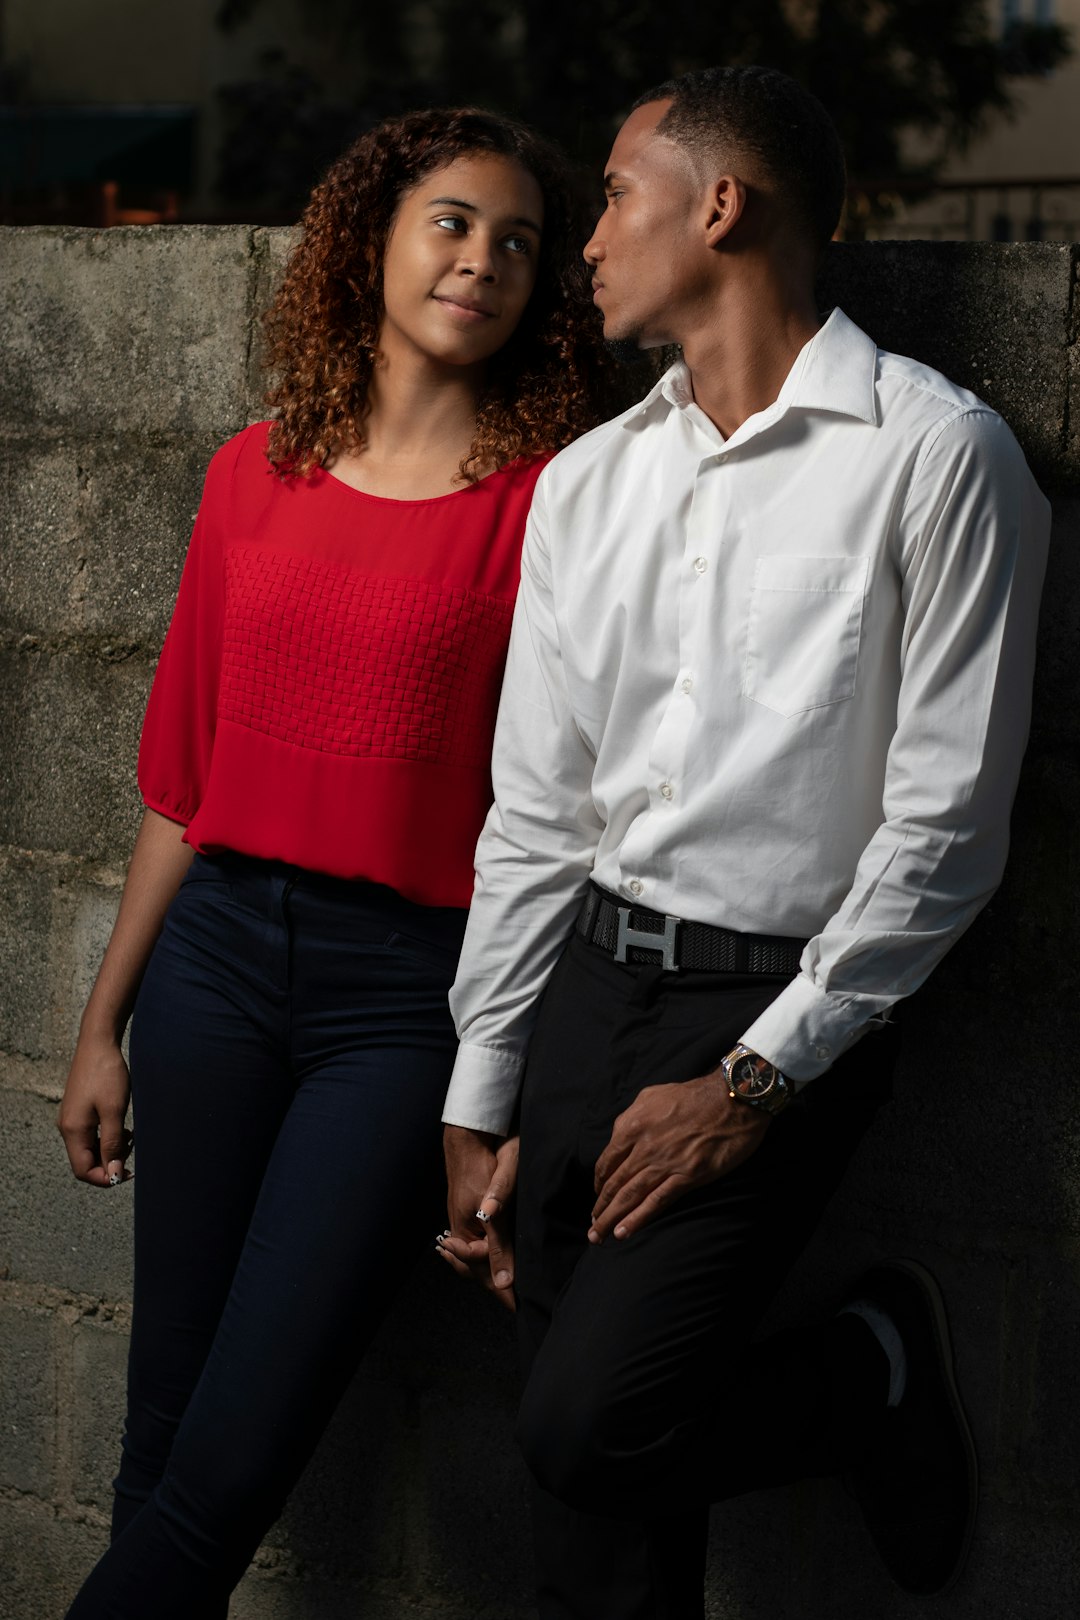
96 534
69 734
97 1363
27 1399
43 1554
25 918
125 358
53 1230
55 920
142 323
996 320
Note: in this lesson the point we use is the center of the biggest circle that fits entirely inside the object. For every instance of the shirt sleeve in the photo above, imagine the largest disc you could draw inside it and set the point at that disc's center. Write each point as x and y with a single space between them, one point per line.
178 730
973 545
533 860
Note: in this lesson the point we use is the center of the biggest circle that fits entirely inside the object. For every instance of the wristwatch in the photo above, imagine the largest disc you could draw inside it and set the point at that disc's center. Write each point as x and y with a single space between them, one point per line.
754 1080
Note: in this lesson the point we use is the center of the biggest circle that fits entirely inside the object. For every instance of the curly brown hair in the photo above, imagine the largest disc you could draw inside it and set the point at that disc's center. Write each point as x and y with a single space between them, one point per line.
546 385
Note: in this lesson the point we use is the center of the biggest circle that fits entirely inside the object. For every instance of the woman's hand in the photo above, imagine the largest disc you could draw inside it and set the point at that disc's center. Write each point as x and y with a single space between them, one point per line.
481 1171
92 1114
93 1111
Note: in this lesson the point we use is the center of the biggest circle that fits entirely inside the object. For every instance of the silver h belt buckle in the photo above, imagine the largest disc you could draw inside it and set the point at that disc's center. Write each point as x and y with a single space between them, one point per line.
643 941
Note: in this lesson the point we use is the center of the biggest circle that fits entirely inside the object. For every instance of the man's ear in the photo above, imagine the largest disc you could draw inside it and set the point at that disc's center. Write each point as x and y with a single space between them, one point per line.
727 200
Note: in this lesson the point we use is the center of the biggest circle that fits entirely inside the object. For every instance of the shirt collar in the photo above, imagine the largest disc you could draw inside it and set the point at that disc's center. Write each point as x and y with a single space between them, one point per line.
835 371
839 373
666 387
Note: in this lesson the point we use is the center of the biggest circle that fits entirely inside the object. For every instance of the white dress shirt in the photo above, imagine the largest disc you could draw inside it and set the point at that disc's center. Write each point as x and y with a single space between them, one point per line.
779 682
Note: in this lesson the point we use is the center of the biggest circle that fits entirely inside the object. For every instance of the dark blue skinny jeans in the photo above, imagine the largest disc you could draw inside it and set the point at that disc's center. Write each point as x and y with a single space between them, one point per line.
290 1050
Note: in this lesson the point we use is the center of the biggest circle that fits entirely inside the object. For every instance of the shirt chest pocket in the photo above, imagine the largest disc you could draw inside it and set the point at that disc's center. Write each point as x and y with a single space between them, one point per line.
802 641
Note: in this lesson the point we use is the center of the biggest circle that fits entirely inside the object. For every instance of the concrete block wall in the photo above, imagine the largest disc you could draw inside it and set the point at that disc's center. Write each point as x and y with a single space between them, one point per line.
127 357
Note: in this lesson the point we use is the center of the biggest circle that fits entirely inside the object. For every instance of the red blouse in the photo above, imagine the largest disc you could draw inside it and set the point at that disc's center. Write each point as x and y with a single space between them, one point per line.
327 690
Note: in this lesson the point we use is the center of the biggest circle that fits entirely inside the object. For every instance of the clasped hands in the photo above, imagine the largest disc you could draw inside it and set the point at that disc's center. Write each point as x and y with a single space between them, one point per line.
671 1139
481 1174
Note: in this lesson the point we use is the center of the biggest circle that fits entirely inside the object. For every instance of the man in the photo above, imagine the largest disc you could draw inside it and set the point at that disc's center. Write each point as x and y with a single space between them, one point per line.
766 700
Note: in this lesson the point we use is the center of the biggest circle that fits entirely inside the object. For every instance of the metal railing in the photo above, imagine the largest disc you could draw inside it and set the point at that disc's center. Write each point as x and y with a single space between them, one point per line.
1037 209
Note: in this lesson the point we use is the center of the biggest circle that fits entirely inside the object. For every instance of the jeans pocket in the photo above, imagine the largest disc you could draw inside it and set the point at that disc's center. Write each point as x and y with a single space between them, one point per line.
206 869
436 950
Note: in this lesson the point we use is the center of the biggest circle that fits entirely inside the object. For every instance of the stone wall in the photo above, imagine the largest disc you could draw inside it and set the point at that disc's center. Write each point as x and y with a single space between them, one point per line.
127 357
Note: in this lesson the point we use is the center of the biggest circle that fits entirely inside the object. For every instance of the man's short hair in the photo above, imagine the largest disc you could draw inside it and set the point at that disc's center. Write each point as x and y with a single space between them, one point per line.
763 112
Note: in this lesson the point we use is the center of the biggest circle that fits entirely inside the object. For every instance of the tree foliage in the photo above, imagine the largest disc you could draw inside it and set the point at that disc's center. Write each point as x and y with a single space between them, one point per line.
888 70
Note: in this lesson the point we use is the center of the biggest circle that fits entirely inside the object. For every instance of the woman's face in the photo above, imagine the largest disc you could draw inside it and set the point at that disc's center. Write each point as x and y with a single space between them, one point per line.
461 261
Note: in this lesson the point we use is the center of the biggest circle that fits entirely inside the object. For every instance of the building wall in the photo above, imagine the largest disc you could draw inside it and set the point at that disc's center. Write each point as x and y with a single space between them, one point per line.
110 50
127 357
1040 141
149 51
152 52
1044 136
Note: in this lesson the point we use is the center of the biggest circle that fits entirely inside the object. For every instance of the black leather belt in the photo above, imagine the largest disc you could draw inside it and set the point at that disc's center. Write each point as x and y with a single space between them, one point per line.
636 934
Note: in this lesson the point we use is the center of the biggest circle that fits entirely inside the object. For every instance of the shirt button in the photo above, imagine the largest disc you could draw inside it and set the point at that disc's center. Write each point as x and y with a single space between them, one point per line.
700 565
666 790
821 1051
635 885
688 685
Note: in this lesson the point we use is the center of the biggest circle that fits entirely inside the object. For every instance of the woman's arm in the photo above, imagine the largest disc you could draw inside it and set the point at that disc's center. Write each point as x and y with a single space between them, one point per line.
94 1105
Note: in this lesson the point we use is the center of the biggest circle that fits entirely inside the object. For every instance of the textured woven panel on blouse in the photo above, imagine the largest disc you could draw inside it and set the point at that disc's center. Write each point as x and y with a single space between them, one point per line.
346 663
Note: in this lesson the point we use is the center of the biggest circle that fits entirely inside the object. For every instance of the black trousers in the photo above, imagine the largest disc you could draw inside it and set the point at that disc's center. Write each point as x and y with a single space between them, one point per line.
646 1398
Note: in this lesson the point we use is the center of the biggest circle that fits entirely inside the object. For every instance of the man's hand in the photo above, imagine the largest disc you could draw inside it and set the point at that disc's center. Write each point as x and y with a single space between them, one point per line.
672 1138
481 1171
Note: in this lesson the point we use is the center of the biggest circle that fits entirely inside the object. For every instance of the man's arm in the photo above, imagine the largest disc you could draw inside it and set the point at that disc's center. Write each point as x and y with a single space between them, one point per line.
532 864
974 539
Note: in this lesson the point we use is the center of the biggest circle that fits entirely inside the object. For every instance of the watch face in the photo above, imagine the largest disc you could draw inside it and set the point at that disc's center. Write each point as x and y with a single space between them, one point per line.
752 1077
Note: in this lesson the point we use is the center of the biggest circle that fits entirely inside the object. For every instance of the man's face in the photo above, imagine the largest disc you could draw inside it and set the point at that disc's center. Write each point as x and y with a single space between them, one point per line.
648 263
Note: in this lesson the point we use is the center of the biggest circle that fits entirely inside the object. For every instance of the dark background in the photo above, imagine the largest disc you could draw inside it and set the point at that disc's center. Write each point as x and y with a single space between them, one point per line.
909 82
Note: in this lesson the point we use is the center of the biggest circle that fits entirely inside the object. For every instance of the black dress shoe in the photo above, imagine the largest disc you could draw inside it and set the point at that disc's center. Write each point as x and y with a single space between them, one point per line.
918 1486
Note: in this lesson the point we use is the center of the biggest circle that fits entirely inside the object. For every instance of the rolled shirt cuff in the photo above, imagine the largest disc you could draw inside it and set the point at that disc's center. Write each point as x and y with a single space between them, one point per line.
484 1088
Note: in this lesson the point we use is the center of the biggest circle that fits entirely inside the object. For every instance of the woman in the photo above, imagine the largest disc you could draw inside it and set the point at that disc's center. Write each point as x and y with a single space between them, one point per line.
314 765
